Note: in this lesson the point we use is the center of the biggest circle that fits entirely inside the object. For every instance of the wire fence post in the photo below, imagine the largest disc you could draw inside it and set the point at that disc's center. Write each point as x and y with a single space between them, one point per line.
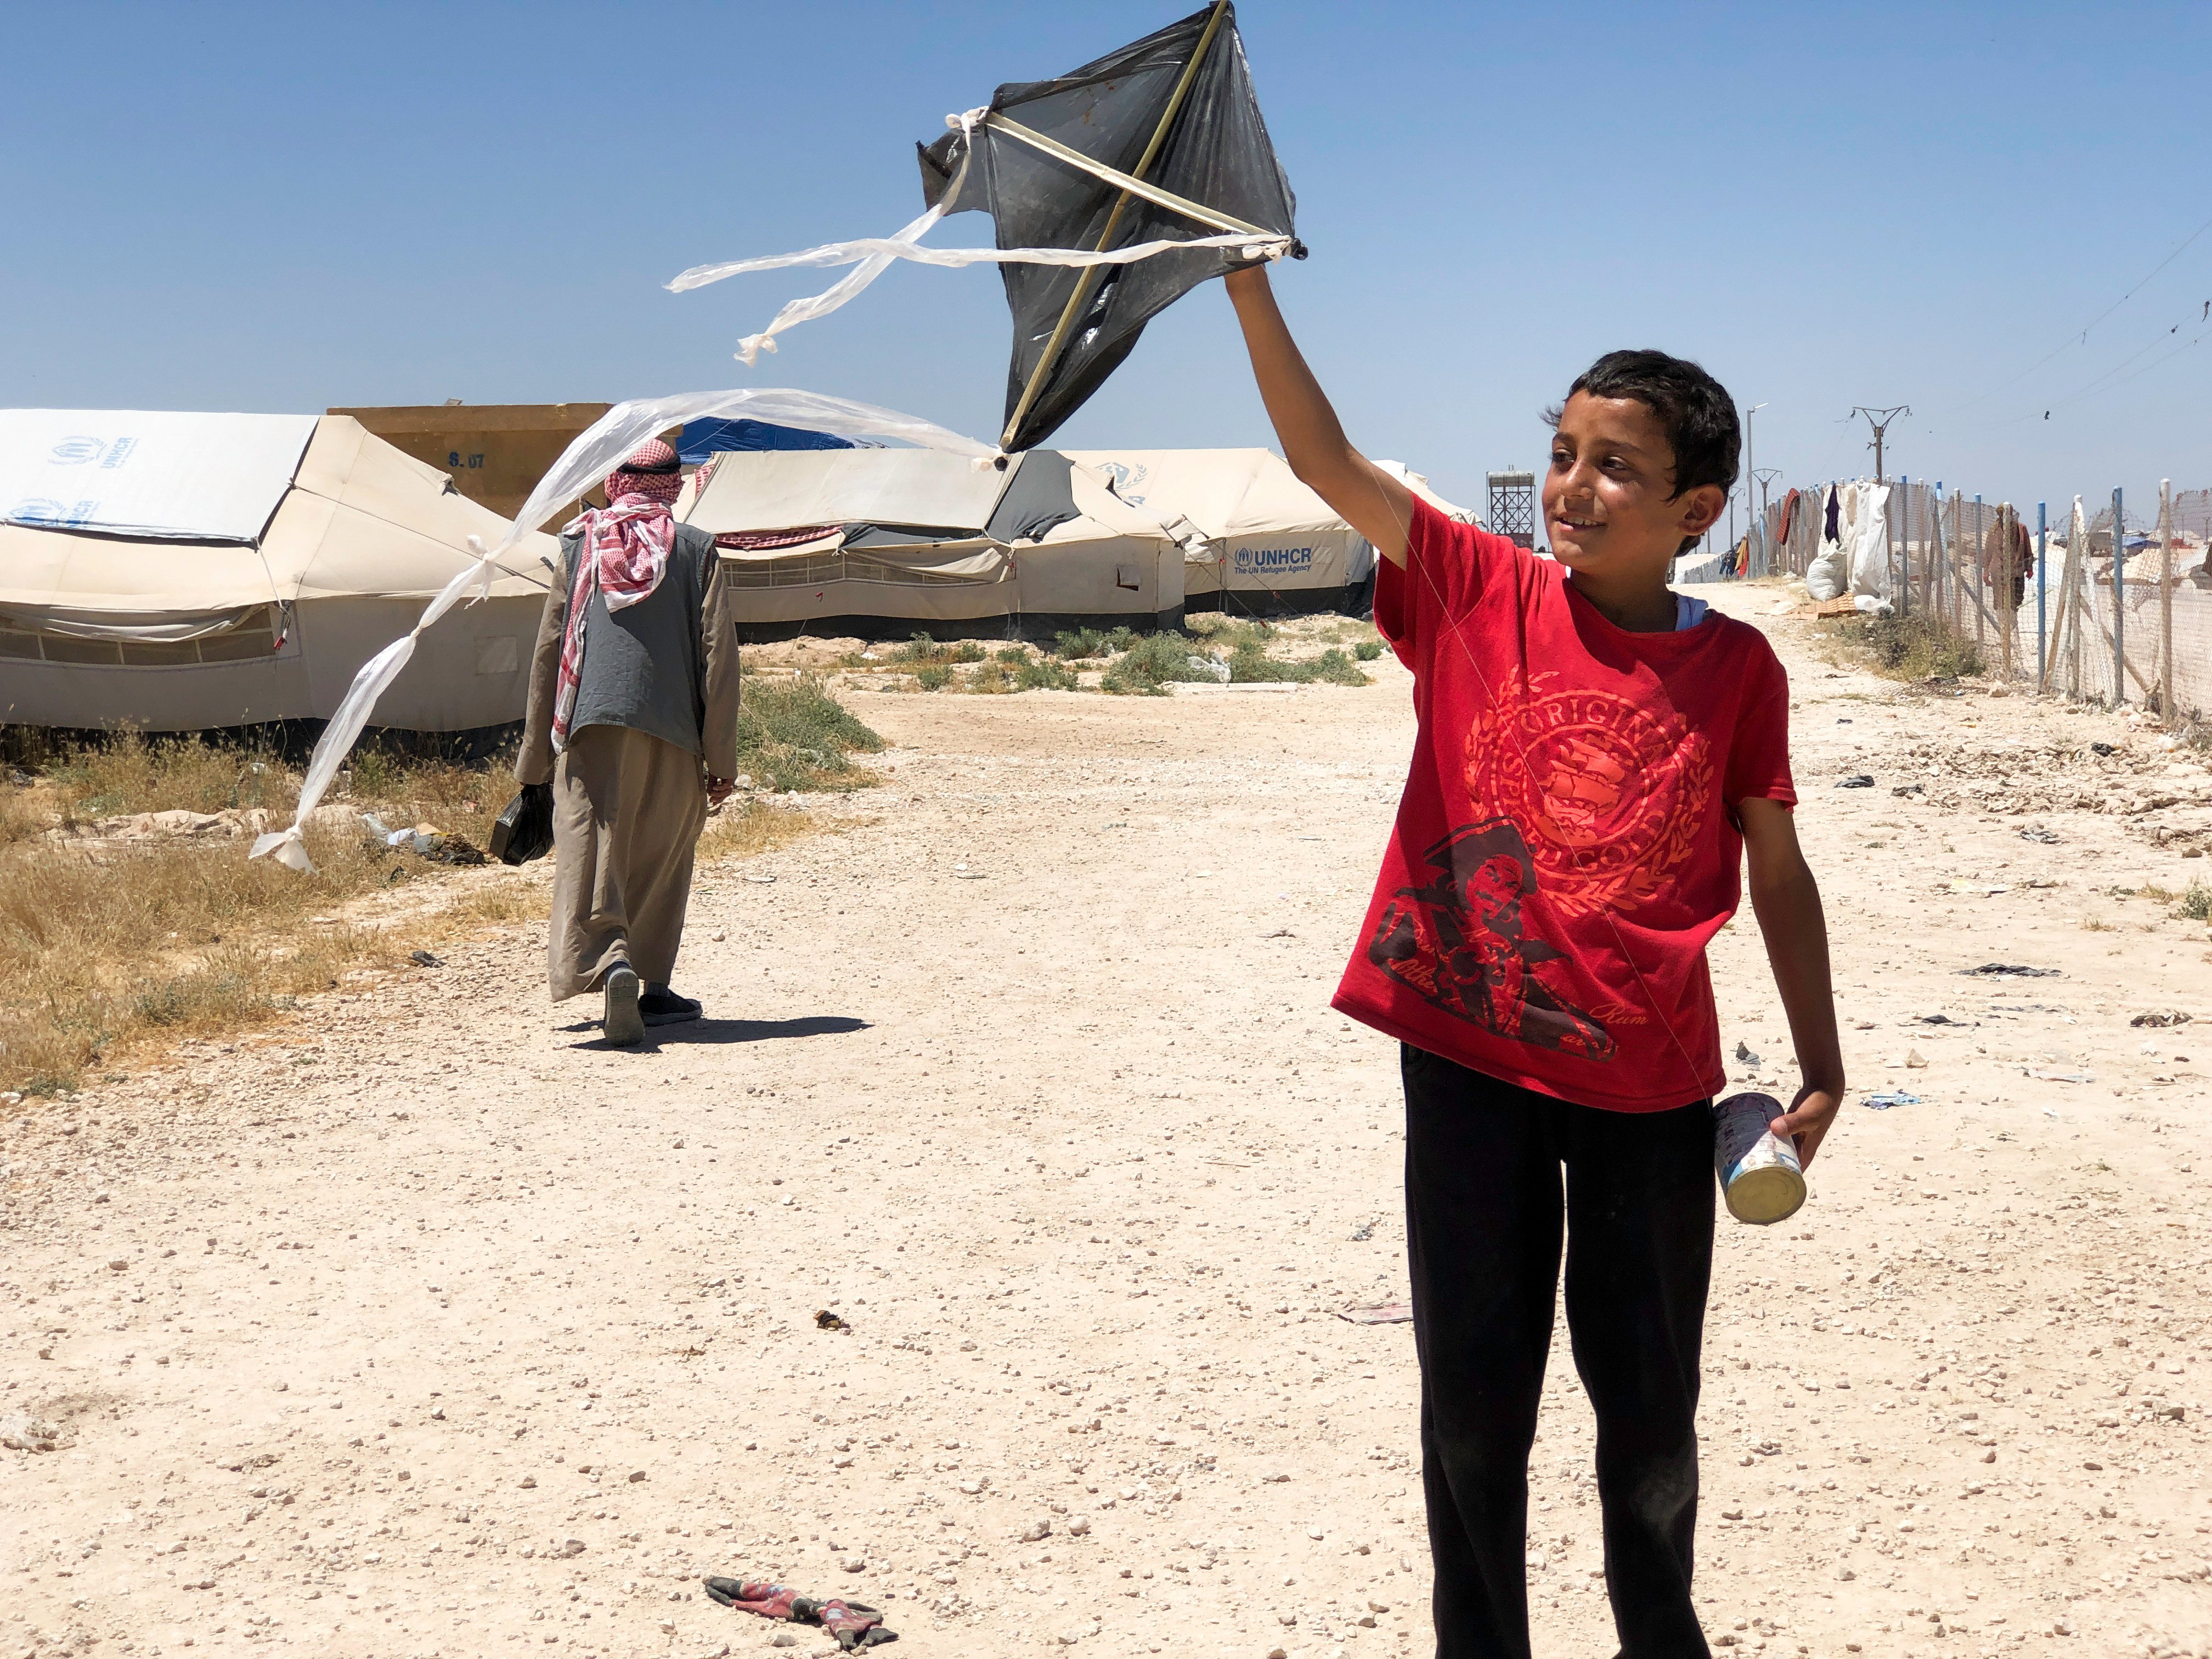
2078 579
2042 583
2166 601
2008 607
1899 549
2120 606
1934 585
1978 574
1890 534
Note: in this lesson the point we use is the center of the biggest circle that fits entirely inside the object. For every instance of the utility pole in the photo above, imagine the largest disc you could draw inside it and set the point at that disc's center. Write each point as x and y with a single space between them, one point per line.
1879 419
1751 470
1764 476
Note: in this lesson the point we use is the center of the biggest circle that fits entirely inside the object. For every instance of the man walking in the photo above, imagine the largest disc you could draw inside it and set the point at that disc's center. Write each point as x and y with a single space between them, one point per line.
633 721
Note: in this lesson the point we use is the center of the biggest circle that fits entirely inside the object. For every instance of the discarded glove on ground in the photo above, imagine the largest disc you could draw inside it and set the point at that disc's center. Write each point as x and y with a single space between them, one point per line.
853 1624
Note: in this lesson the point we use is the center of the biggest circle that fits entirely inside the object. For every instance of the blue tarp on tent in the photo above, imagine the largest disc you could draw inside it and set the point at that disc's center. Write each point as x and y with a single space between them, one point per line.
703 439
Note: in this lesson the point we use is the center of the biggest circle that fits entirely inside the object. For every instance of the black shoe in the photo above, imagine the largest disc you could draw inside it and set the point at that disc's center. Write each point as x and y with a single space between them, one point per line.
662 1007
621 1024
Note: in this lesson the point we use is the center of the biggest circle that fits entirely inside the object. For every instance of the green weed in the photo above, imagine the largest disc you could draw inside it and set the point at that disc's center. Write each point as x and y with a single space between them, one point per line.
1150 666
1917 646
791 734
1248 664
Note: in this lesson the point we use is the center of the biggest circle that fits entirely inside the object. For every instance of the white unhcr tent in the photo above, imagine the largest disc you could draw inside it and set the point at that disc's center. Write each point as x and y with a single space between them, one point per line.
1270 547
881 543
181 572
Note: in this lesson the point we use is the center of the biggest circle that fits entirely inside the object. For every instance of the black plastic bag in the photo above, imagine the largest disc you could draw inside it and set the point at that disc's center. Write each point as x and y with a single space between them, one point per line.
1210 147
525 830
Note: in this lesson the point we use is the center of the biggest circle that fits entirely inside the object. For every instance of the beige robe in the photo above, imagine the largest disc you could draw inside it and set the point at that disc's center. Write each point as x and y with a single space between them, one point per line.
628 808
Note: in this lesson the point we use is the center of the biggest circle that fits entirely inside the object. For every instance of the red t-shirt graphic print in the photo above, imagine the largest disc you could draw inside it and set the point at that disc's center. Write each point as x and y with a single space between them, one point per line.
1568 839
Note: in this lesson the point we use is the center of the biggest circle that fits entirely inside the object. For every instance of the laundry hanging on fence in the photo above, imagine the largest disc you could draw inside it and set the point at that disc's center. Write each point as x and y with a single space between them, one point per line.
584 463
1097 181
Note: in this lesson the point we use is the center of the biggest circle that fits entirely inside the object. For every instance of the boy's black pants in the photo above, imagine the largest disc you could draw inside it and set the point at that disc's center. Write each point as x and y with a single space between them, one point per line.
1483 1224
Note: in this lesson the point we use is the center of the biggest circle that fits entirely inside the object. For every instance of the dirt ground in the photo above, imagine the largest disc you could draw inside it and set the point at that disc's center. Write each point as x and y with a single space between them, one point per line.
426 1325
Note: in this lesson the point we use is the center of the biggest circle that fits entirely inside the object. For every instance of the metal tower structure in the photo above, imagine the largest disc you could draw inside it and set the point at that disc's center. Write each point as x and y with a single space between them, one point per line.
1513 507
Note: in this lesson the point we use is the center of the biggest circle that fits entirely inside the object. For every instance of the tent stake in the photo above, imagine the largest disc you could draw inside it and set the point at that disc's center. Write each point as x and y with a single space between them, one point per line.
1081 296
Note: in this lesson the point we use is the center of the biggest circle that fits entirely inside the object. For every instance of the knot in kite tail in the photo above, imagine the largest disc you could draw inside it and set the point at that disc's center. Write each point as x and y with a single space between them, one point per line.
967 120
289 846
484 568
749 347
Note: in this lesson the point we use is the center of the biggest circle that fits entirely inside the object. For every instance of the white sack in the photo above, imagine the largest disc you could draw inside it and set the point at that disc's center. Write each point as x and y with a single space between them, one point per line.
1826 576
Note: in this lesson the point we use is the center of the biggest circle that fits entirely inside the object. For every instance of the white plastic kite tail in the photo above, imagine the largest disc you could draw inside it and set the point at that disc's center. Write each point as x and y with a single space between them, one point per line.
873 255
585 462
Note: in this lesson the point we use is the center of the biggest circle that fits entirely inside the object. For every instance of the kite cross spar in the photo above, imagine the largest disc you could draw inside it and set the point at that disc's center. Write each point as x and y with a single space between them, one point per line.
1095 180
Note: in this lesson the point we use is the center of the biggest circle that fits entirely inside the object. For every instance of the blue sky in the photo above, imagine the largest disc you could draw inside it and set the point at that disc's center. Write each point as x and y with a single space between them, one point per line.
283 208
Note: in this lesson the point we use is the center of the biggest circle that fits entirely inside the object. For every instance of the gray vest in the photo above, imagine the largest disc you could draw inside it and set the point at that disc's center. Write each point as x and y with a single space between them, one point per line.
644 666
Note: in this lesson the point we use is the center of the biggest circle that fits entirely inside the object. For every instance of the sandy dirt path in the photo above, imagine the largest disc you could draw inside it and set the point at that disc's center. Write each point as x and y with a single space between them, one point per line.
428 1326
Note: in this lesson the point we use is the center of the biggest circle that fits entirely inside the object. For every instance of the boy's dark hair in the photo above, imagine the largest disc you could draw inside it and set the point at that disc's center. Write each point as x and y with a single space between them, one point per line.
1695 408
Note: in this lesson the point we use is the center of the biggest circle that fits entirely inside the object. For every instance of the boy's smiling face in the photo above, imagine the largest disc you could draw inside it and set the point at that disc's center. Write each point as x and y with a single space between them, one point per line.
1610 500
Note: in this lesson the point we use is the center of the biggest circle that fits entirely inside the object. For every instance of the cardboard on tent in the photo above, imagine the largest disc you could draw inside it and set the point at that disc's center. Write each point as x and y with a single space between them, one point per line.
495 453
882 543
184 572
1272 547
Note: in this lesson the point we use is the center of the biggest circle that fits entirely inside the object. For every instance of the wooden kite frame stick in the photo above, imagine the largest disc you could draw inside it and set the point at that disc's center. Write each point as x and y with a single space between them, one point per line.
1133 184
1081 297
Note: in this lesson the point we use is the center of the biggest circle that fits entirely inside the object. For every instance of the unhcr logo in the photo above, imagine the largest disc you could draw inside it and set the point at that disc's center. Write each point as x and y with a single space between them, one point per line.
43 510
1271 561
83 452
1127 481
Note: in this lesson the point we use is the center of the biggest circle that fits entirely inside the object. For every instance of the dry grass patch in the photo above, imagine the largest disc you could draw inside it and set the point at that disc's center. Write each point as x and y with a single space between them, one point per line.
111 948
108 951
744 830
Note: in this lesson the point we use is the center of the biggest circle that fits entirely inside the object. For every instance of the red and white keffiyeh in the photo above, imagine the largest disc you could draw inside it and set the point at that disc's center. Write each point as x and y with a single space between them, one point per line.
622 555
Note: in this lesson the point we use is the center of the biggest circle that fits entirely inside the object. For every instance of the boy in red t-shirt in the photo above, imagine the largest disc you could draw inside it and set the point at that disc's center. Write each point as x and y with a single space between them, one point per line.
1595 756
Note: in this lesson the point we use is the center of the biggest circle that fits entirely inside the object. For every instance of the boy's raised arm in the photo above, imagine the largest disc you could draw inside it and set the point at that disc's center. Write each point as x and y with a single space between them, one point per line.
1787 901
1367 498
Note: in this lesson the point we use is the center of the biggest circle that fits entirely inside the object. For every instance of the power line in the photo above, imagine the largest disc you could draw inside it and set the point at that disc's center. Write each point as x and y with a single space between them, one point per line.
2098 385
2082 337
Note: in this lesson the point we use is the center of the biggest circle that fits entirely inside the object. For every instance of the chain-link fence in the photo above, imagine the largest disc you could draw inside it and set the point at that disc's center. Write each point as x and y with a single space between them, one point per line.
2036 596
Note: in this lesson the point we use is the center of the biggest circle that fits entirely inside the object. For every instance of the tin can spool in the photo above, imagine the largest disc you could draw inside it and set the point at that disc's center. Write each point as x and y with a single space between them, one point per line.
1760 1177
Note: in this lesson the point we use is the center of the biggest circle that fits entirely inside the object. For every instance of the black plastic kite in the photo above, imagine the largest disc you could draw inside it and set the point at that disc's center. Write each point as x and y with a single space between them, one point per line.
1116 189
1173 111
